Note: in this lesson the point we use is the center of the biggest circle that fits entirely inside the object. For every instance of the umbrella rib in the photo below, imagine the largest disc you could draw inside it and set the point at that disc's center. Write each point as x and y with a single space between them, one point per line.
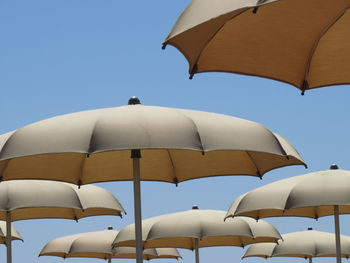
173 167
194 68
197 131
305 84
75 214
254 163
281 147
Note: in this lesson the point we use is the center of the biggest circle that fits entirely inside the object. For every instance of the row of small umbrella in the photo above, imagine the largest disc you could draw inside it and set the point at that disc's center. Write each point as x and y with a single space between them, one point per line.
303 244
194 229
99 245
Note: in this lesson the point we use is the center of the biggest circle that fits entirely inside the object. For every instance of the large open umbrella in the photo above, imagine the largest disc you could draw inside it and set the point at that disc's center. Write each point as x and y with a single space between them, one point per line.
312 195
175 145
32 199
303 244
196 228
99 245
303 43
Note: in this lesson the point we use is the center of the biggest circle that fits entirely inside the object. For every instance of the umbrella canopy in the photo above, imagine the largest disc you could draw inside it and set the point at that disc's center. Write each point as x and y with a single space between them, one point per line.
32 199
311 195
199 228
14 233
99 245
303 244
303 43
177 145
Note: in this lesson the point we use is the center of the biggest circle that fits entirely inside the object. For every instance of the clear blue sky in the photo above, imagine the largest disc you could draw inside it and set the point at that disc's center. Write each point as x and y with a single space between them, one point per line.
58 57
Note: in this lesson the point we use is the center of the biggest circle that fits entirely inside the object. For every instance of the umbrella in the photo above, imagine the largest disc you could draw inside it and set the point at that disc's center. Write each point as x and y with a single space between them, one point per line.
31 199
304 244
14 233
99 245
195 228
176 145
303 43
311 195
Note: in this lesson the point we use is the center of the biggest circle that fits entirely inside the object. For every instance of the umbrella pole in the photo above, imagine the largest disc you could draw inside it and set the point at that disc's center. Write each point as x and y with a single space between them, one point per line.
337 233
8 237
196 249
310 259
136 155
110 259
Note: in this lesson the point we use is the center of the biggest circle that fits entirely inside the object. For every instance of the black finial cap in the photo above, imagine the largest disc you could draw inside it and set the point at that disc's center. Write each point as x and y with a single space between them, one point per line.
195 207
134 100
334 167
309 228
110 228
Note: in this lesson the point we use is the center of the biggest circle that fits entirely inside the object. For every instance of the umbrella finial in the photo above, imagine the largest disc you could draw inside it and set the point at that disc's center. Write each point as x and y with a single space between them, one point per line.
309 228
134 100
110 228
195 207
334 167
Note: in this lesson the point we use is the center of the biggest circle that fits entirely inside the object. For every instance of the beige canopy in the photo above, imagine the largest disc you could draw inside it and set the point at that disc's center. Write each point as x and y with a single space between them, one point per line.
33 199
303 43
182 228
99 245
177 145
199 228
303 244
14 233
311 195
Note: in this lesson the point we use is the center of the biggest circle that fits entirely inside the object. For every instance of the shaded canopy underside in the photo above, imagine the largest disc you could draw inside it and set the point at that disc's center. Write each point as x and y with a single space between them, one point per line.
293 41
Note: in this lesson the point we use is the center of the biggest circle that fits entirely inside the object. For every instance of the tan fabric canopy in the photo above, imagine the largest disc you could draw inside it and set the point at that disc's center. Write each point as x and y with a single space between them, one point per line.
303 43
177 145
14 233
303 244
32 199
198 228
99 245
310 195
182 228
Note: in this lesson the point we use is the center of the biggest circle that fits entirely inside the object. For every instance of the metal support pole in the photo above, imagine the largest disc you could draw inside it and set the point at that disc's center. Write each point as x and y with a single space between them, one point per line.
337 233
196 249
8 237
136 155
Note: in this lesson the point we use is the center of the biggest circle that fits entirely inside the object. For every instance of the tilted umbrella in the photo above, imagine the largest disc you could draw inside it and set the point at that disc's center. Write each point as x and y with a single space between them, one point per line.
99 245
195 228
14 233
311 195
176 145
303 43
32 199
303 244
